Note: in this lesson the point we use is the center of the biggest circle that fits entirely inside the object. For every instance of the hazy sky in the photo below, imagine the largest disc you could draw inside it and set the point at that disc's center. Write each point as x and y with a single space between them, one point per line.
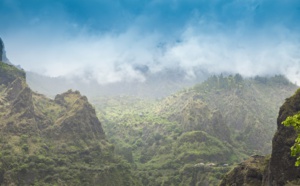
104 39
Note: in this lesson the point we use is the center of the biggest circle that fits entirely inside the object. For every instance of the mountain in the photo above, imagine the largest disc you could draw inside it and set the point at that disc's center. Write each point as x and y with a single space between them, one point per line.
249 106
195 135
1 49
53 142
3 57
278 168
156 85
152 137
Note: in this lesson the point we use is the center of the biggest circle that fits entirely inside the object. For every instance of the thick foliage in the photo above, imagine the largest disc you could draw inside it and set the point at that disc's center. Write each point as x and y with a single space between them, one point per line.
294 121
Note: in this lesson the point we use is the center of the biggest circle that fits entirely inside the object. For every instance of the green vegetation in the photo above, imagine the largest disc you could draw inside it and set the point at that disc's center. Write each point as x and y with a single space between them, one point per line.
191 137
249 106
53 142
176 140
8 73
158 145
294 121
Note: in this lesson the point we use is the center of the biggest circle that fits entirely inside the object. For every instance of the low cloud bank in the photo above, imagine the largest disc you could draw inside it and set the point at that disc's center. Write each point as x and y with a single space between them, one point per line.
216 41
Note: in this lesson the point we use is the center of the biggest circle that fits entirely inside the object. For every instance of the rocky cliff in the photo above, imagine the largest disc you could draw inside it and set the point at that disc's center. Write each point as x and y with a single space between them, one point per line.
8 73
280 169
282 166
1 49
53 142
3 57
250 172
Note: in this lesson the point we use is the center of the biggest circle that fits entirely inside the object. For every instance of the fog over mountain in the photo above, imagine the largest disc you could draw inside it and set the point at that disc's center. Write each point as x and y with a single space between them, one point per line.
106 41
156 92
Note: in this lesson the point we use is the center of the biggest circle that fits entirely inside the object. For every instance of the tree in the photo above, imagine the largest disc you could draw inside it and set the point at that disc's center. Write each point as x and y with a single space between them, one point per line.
294 121
238 78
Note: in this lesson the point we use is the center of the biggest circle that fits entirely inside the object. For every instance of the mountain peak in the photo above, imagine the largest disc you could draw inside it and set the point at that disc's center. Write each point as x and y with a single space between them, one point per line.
1 49
8 73
3 53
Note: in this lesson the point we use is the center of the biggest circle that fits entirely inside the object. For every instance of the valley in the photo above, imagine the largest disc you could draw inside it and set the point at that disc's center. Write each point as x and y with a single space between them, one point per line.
219 122
191 137
197 135
149 93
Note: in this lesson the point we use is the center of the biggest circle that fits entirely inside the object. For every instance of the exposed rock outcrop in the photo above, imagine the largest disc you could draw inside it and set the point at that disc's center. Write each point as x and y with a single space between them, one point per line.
8 73
1 49
76 118
3 57
281 169
282 166
78 121
249 172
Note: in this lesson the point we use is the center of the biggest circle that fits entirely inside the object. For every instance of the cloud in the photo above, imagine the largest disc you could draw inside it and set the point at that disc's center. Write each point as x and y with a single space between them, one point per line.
75 39
265 53
106 57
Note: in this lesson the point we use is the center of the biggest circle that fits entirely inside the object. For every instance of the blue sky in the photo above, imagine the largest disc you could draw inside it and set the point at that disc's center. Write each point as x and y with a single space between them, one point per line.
103 39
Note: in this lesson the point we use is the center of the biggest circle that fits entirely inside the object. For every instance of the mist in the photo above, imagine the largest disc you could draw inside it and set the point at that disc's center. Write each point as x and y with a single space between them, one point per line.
251 38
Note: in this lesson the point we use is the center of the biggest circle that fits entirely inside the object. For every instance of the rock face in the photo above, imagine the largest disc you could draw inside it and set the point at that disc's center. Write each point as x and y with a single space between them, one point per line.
249 172
3 57
8 73
79 119
281 168
282 165
1 49
76 118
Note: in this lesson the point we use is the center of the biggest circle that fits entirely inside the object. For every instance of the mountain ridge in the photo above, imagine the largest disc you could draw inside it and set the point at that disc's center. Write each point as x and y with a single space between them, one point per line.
58 141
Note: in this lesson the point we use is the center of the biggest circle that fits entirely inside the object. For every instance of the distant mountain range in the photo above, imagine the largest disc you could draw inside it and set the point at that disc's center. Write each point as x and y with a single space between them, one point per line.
156 85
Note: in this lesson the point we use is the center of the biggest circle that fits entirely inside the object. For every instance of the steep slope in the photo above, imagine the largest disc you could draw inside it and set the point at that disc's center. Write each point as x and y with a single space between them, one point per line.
282 166
278 169
248 106
193 114
1 49
167 139
3 53
54 142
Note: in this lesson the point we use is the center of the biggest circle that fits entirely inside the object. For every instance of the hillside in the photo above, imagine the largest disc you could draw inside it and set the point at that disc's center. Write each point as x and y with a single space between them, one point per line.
249 106
174 140
278 168
161 150
53 142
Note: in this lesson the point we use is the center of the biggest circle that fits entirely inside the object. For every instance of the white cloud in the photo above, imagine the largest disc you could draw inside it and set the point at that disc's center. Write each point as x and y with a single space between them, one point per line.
108 57
262 54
